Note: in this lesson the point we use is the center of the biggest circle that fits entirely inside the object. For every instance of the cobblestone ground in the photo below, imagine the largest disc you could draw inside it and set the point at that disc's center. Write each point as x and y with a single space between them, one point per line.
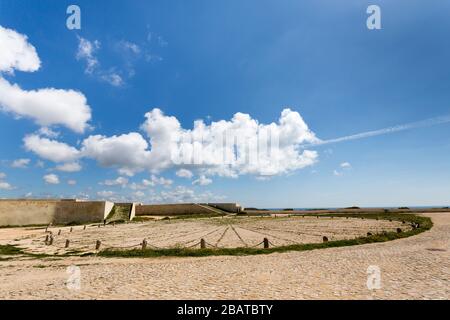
227 232
417 267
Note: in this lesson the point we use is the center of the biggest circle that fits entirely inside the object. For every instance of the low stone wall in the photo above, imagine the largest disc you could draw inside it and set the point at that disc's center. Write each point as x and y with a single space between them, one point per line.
26 212
170 209
81 212
39 212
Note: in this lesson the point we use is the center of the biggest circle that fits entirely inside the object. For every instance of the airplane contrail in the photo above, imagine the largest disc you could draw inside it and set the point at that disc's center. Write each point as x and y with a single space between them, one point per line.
402 127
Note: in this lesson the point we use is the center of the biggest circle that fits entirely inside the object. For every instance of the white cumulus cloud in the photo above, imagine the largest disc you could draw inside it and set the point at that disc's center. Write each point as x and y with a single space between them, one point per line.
346 165
128 152
120 181
105 194
50 149
69 167
182 194
3 184
204 147
240 146
51 178
20 163
16 52
202 180
47 106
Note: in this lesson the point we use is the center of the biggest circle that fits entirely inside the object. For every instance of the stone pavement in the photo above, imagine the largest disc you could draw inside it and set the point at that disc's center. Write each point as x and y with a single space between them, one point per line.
417 267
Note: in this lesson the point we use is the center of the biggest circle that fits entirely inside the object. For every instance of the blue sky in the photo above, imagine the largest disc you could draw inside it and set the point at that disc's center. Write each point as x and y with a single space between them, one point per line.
212 59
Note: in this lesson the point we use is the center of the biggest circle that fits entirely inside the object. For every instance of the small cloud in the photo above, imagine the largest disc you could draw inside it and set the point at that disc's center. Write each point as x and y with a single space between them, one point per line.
139 194
184 173
337 173
71 182
162 42
51 179
40 164
129 46
113 79
69 167
5 186
105 194
149 57
120 181
86 51
46 131
20 163
346 165
158 181
202 180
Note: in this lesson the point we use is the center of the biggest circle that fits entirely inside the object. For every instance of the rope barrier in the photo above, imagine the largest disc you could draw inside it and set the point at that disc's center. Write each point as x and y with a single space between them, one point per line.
240 238
257 244
66 243
211 245
223 235
193 245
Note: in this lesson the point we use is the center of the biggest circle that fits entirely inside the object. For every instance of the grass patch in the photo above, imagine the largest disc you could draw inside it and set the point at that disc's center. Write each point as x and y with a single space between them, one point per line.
179 217
197 216
9 250
425 223
12 250
31 226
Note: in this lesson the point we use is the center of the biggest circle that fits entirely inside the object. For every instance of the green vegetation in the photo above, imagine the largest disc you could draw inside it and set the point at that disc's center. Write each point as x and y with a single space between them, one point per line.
8 250
182 217
198 216
422 224
142 219
119 213
35 226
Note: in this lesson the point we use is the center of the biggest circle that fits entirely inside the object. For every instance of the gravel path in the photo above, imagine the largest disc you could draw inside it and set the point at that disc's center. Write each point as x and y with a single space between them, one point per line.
413 268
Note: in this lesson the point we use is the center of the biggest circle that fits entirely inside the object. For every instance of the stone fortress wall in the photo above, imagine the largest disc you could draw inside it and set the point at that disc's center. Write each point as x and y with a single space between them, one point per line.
171 209
21 212
186 209
26 212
